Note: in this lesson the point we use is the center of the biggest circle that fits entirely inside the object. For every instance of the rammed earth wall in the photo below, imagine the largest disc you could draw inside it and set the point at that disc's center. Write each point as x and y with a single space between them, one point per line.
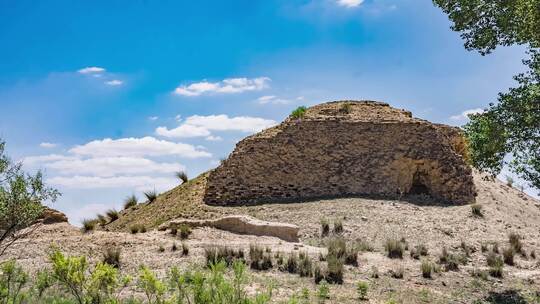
345 148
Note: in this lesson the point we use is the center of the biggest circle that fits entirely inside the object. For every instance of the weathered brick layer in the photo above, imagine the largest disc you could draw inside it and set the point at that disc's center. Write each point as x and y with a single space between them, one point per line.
366 148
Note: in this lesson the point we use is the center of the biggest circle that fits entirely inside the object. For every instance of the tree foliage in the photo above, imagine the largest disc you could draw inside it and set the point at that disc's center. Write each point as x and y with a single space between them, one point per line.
21 197
508 131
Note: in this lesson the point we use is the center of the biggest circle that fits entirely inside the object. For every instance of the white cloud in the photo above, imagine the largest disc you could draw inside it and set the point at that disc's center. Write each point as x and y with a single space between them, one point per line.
214 138
145 146
178 117
350 3
110 166
183 131
35 160
47 145
465 114
91 70
140 183
271 99
114 82
226 86
153 118
200 126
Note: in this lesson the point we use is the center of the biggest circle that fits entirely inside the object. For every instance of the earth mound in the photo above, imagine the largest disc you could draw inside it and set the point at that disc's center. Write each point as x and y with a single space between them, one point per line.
345 148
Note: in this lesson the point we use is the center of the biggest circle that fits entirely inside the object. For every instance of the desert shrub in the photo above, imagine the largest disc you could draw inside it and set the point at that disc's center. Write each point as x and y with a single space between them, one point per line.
161 248
427 269
362 288
292 263
496 265
351 256
334 273
324 291
112 214
419 251
451 261
476 210
299 112
134 229
215 255
336 246
151 196
508 255
130 201
153 288
346 108
404 243
374 272
185 249
364 246
111 256
318 274
185 231
397 273
325 227
12 281
259 259
88 225
182 175
101 219
174 231
338 226
515 241
394 249
142 229
467 250
305 266
492 259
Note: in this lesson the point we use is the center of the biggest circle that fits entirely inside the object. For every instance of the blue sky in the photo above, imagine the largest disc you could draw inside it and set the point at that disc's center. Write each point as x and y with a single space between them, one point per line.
109 98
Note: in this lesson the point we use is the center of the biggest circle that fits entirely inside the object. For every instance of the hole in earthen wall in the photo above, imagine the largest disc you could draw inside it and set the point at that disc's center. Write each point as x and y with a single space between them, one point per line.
418 185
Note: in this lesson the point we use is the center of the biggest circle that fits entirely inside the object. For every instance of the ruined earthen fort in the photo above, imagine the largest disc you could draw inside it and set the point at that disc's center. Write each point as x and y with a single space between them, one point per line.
345 148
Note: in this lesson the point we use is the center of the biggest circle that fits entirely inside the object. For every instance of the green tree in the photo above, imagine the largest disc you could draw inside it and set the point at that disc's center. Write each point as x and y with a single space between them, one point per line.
511 126
21 198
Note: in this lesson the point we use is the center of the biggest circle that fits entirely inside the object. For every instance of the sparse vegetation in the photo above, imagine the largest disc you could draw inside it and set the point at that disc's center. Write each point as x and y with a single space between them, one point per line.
299 112
182 175
334 273
161 248
130 201
427 269
515 241
508 255
495 264
325 227
394 249
112 214
185 249
451 261
324 292
362 288
338 226
419 251
223 254
346 108
374 272
259 259
88 225
151 196
305 265
174 247
398 272
112 256
185 231
476 210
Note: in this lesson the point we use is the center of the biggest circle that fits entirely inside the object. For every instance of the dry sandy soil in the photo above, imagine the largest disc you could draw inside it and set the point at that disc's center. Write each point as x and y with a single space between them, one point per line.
436 226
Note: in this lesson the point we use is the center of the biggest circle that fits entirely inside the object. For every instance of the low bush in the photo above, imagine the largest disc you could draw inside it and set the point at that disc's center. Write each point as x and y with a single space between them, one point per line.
324 292
112 256
101 219
482 274
318 274
130 201
136 228
346 108
292 263
259 259
394 249
374 272
334 273
112 214
88 225
299 112
496 265
451 261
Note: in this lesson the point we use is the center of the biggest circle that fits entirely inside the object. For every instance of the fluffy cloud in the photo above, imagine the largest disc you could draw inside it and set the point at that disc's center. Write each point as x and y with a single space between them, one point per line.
146 146
200 126
47 145
214 138
114 82
91 70
465 114
226 86
350 3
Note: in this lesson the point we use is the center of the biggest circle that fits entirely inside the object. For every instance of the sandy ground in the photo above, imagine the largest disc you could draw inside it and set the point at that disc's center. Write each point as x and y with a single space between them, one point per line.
505 210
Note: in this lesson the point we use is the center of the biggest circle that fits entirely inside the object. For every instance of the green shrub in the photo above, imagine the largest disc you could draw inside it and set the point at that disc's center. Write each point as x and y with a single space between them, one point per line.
324 292
112 256
112 214
334 273
325 227
427 269
88 225
338 226
508 255
12 281
299 112
153 288
362 288
476 210
185 231
419 251
182 175
394 249
130 201
151 196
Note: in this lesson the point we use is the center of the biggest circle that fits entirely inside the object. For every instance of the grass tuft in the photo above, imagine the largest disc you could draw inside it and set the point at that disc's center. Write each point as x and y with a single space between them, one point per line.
151 196
112 214
130 201
394 249
476 210
182 175
112 256
88 225
299 112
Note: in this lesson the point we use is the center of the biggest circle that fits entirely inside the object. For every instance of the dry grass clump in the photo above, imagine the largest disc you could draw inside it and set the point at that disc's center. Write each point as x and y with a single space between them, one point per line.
112 214
151 196
338 226
397 273
101 219
419 251
259 259
325 227
137 228
88 225
185 249
334 271
495 264
451 261
515 241
185 231
182 175
508 255
224 254
292 263
476 210
305 265
427 269
112 256
130 201
394 249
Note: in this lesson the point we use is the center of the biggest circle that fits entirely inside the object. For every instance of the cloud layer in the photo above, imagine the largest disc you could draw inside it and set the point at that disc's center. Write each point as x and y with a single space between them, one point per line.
350 3
226 86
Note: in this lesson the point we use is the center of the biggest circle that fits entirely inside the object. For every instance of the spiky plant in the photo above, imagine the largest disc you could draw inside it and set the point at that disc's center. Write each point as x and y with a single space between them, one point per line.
130 201
151 196
88 225
182 175
112 214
